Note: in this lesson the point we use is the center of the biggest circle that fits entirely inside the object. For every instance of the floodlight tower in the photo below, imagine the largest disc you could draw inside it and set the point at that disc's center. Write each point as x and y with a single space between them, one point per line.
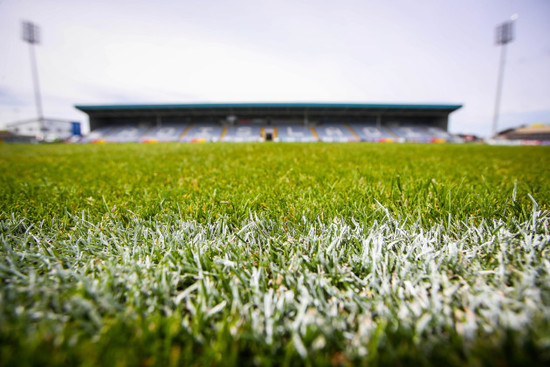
31 35
504 35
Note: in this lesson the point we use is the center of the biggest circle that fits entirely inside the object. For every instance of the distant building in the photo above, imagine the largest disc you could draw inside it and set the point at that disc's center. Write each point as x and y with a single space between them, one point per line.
470 138
537 134
9 137
51 129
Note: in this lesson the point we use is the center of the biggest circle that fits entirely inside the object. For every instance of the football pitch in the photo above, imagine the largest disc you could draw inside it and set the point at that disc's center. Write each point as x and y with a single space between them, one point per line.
274 254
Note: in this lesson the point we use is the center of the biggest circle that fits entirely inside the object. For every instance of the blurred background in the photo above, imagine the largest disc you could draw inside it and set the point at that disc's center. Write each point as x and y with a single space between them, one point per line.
168 51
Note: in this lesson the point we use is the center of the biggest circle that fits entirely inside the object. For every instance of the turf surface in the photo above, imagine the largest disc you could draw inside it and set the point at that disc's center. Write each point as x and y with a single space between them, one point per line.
274 254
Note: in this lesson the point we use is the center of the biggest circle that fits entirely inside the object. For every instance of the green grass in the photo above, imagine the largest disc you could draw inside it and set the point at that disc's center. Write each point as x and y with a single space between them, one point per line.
282 181
274 254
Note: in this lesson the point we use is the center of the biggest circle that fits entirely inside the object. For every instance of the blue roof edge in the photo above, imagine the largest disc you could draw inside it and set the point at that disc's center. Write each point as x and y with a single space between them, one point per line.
275 105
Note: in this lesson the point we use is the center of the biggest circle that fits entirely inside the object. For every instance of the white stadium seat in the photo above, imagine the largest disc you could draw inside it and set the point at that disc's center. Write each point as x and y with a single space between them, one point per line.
412 133
438 133
335 133
295 133
96 135
243 133
125 134
166 132
372 133
208 132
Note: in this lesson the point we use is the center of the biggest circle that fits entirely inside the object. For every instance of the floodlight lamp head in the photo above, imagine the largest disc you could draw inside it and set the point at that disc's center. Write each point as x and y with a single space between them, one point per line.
505 33
31 33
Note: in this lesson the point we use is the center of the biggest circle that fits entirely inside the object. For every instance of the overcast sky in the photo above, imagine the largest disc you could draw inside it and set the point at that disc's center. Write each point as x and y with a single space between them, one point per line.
168 51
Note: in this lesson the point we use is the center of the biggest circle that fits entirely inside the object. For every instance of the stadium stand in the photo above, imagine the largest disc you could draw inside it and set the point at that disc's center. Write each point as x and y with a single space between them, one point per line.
243 133
334 132
124 134
438 133
372 133
421 133
164 133
97 135
208 132
536 134
411 133
295 133
285 122
539 132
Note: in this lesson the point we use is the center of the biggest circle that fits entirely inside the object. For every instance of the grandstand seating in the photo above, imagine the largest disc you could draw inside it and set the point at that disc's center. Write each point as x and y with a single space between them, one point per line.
372 133
243 133
295 133
421 133
96 135
412 133
203 133
124 134
438 133
166 132
335 133
285 132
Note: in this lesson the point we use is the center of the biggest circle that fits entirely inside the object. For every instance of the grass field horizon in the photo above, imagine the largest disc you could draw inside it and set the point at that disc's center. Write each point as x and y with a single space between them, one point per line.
274 254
